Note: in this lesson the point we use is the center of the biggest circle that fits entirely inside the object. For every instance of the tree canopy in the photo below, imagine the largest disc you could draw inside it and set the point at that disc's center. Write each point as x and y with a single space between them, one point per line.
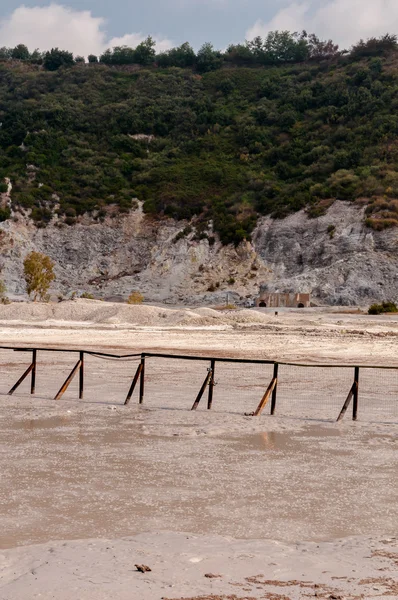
266 127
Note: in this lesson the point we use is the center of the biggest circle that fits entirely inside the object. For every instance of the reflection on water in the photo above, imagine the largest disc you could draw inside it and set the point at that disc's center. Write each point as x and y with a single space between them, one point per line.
275 440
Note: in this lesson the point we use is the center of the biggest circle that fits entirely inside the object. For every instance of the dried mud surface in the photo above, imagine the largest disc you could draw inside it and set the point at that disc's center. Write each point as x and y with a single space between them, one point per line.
284 507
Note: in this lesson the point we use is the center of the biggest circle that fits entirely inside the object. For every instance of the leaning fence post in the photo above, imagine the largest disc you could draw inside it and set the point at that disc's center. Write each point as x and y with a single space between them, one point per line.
68 380
81 376
29 370
33 380
211 384
355 397
273 403
133 384
142 379
202 389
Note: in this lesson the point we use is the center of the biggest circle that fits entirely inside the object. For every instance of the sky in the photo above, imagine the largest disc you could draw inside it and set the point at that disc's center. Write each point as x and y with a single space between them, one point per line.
91 26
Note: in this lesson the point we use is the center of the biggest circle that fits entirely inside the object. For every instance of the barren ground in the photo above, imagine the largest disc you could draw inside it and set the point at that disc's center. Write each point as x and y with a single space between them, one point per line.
285 507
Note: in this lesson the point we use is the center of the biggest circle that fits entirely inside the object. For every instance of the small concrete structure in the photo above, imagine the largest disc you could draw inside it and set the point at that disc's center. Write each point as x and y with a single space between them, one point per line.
283 300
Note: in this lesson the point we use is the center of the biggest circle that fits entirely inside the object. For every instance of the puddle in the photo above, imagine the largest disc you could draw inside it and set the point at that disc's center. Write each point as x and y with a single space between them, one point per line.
98 475
47 423
275 440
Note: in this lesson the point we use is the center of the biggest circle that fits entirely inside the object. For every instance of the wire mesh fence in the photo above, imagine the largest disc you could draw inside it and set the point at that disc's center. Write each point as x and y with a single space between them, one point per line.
175 382
239 387
378 395
312 392
105 378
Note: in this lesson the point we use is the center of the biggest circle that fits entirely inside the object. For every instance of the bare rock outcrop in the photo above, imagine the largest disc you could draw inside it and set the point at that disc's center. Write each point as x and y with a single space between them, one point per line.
334 257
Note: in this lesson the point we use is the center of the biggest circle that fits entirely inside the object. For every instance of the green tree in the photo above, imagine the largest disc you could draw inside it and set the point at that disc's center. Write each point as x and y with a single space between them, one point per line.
39 274
375 46
56 58
183 56
20 52
239 54
320 49
119 55
36 56
208 59
144 53
5 53
92 58
283 46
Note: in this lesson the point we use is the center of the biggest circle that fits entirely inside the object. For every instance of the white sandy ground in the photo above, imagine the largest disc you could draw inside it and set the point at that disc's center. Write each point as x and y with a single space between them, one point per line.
130 480
101 569
313 335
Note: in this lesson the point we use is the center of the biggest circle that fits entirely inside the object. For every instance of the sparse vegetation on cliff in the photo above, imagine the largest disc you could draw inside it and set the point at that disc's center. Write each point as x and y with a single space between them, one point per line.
3 293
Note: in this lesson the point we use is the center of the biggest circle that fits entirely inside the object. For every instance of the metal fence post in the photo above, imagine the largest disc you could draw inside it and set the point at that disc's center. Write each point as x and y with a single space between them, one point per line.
81 376
142 379
33 380
355 396
273 403
211 384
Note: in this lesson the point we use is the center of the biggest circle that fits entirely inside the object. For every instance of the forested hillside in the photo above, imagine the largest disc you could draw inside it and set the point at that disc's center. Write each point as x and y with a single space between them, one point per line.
217 136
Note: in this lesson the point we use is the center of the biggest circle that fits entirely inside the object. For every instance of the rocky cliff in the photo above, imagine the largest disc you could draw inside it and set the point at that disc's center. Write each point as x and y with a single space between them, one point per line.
335 257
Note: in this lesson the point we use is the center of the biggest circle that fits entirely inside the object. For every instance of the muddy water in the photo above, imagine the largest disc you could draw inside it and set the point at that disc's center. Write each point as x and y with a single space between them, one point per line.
102 475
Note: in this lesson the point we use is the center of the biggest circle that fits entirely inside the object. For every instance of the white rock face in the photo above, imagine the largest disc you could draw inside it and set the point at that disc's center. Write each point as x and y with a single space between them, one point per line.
355 265
350 265
132 253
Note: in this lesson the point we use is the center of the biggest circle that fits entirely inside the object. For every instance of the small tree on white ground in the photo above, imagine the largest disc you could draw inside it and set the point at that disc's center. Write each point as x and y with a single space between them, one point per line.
39 273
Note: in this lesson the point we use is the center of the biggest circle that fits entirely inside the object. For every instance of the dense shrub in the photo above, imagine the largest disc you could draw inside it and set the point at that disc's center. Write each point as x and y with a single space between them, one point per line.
135 298
385 307
3 293
5 213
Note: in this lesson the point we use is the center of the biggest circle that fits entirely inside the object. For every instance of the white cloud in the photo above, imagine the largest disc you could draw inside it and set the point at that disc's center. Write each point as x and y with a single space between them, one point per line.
287 19
59 26
345 21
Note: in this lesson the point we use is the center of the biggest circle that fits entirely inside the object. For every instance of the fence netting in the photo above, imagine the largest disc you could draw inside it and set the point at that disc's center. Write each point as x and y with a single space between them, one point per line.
305 392
13 364
239 387
378 395
174 383
312 392
105 380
